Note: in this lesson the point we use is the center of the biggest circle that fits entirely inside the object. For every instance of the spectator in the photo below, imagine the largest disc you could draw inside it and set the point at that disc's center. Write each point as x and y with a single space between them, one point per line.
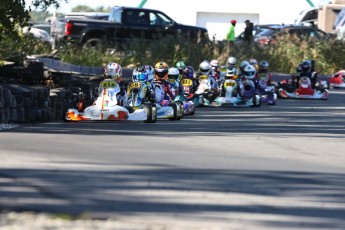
248 31
231 34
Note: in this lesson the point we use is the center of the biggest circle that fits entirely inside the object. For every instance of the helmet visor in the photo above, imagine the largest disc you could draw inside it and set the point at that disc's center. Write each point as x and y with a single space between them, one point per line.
161 74
249 73
142 77
173 76
112 75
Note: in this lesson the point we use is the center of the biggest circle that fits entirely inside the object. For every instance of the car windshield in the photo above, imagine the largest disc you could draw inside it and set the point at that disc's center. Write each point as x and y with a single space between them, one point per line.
266 32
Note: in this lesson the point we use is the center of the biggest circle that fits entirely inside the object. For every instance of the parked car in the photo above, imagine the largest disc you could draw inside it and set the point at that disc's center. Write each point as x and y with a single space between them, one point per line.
37 33
257 29
339 26
123 24
268 35
309 15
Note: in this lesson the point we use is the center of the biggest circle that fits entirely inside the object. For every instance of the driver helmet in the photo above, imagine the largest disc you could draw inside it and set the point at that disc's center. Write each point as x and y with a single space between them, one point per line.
150 73
180 65
253 62
263 67
161 70
249 72
244 64
113 71
306 66
173 74
188 72
139 74
231 62
214 64
205 67
231 73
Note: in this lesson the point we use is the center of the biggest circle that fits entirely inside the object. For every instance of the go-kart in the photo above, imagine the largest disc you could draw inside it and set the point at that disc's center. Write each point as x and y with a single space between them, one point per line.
186 100
205 94
268 95
267 92
246 97
338 79
106 108
138 98
288 90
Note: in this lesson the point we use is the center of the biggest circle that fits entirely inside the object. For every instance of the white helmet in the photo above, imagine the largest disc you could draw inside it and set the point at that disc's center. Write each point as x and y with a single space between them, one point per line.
205 67
253 61
173 74
243 64
232 61
113 71
249 72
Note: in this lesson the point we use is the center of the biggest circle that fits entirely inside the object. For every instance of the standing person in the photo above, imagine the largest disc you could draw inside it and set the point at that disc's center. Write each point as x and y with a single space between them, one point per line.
230 37
248 32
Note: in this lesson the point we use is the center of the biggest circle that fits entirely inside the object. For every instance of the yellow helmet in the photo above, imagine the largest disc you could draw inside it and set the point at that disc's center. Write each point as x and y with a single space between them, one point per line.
161 71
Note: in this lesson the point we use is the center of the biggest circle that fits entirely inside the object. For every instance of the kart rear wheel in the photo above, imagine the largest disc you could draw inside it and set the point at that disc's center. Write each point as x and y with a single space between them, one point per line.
179 110
256 101
193 111
151 113
175 109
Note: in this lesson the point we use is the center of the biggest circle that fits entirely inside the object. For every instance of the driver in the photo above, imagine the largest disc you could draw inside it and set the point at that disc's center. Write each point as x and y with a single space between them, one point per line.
113 72
306 69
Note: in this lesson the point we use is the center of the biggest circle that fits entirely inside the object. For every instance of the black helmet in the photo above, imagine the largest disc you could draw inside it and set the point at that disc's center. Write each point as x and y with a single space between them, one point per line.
188 72
263 65
306 66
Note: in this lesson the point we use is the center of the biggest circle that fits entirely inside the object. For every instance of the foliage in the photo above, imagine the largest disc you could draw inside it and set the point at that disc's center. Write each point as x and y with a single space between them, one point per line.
283 56
14 14
16 49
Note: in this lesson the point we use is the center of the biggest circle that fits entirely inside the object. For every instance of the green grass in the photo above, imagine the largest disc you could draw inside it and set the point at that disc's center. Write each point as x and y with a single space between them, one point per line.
283 56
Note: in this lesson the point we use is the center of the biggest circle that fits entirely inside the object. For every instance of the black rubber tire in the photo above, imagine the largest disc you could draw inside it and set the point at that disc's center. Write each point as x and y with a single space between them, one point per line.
14 102
2 116
93 43
13 115
179 104
174 107
193 112
27 103
2 103
148 110
20 114
19 99
7 96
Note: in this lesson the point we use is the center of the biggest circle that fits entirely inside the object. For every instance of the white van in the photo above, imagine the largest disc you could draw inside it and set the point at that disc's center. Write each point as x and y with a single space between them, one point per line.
307 16
339 26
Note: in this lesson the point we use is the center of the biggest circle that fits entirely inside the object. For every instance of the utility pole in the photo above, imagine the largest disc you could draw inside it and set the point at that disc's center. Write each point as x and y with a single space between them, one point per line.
142 3
310 3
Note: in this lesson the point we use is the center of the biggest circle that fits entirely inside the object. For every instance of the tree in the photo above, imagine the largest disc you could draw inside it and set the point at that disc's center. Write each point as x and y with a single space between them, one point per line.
14 13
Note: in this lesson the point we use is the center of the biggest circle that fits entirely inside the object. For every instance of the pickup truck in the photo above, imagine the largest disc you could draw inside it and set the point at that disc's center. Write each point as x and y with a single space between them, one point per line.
123 24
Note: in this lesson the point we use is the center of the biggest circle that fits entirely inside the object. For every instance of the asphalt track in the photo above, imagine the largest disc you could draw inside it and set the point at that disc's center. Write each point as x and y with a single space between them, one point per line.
271 167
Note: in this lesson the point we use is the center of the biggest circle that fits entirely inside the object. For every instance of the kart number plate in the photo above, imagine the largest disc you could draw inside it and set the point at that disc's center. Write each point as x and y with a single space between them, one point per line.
263 76
187 82
230 84
203 77
108 84
171 80
135 85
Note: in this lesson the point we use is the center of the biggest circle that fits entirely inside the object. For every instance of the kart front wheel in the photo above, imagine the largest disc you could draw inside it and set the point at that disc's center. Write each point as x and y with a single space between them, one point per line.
151 113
